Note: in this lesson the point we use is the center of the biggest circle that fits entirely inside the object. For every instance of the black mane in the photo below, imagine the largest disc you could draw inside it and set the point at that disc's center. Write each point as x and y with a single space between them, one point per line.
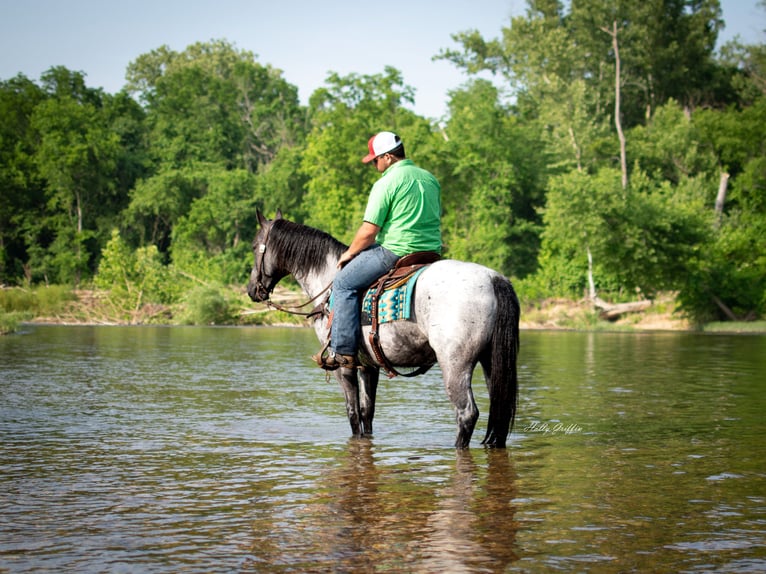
301 247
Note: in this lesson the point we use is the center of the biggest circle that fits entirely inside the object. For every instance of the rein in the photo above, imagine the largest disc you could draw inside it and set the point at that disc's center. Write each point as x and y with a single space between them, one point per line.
294 310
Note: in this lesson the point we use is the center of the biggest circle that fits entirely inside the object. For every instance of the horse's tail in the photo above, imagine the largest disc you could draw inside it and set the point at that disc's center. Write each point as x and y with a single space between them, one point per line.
502 380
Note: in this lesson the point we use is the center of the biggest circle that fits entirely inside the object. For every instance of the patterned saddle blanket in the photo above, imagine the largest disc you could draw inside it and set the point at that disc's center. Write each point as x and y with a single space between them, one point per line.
395 303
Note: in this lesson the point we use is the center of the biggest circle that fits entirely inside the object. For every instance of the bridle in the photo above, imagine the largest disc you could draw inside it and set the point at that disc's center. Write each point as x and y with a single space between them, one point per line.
259 264
293 310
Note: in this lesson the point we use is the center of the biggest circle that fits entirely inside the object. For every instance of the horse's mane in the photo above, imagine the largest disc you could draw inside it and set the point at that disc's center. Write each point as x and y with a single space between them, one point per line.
301 247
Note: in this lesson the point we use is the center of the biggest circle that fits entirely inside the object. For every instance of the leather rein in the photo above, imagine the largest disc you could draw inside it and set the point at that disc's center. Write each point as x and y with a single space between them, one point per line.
294 310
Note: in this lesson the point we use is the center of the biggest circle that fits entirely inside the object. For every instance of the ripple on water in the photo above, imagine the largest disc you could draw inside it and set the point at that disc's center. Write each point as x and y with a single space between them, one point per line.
165 450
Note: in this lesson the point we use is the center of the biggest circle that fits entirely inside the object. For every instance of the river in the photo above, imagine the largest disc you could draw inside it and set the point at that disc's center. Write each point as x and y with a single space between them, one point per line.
189 449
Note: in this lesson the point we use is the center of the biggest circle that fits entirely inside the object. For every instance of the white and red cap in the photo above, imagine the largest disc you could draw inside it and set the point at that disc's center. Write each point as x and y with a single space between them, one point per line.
381 143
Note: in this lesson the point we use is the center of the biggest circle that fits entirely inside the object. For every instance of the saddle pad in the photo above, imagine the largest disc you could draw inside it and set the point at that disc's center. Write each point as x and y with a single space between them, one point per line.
395 304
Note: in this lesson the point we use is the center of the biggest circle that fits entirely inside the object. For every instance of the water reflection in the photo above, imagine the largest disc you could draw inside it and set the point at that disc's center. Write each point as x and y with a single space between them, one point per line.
431 512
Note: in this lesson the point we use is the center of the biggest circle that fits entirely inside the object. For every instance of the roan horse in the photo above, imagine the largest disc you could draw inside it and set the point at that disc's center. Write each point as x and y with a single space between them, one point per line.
463 313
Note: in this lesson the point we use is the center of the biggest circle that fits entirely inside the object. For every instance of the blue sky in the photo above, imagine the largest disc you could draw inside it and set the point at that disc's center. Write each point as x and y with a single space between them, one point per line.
306 40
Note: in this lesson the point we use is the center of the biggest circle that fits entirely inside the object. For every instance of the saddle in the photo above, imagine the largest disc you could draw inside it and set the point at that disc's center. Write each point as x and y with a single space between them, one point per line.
398 275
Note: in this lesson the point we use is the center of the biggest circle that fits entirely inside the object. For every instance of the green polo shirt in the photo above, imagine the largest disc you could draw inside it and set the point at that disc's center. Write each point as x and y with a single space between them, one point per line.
406 204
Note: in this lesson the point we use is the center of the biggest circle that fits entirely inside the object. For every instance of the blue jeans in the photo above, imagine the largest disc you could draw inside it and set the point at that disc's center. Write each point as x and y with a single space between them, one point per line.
349 284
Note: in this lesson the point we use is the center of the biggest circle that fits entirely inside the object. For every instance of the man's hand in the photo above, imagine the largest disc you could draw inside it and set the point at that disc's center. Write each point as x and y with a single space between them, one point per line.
345 258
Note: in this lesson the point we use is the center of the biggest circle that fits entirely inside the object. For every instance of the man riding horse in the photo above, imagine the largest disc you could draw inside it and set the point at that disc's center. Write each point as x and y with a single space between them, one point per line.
403 216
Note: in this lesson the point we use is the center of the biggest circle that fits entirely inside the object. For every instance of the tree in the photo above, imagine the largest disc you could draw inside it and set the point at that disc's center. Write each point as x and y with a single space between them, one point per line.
645 240
213 103
77 157
21 189
490 170
670 147
212 240
560 64
135 278
730 280
210 109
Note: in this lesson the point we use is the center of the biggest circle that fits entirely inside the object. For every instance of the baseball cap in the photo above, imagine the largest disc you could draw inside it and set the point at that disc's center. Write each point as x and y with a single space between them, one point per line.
381 143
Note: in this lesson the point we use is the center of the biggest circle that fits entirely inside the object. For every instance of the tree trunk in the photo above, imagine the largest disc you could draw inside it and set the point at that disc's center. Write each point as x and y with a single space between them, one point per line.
617 112
725 308
591 283
721 197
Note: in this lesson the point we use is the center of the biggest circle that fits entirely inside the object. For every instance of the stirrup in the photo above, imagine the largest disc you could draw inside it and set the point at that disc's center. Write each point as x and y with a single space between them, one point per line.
319 358
334 362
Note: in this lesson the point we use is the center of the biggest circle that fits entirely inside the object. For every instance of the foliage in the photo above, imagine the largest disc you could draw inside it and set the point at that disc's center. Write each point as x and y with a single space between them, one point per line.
9 322
208 305
23 304
640 239
153 196
135 278
211 240
490 183
213 103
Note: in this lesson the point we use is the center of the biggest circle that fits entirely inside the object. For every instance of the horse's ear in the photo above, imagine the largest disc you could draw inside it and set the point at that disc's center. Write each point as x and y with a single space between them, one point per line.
279 214
261 218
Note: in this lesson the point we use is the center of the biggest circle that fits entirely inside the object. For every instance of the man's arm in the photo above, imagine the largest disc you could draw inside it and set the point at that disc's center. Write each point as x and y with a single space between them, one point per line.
365 236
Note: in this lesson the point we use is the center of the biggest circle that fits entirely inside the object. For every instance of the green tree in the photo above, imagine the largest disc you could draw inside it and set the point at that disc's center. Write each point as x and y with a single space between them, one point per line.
77 156
489 170
21 188
670 147
644 240
212 240
282 185
134 278
213 103
560 66
210 109
730 280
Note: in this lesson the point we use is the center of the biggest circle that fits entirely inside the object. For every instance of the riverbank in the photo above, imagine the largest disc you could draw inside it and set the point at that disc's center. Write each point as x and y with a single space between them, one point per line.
90 307
661 315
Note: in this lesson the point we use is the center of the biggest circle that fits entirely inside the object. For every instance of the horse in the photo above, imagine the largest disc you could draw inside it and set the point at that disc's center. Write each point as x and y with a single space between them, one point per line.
463 314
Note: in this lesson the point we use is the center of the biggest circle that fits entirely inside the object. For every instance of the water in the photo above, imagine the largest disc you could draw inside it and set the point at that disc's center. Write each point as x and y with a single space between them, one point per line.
151 449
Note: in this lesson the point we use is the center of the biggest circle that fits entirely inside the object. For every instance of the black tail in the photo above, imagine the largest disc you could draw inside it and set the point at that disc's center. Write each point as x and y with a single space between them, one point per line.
502 380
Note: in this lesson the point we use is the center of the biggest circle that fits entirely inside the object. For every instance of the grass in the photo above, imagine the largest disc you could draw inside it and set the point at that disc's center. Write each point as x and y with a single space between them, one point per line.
735 327
19 304
9 322
230 306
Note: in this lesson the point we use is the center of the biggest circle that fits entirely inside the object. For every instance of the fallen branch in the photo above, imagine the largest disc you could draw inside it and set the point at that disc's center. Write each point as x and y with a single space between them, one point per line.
612 312
723 307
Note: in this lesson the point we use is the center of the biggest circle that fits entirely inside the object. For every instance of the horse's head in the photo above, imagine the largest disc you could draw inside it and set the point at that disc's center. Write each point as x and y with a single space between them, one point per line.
265 274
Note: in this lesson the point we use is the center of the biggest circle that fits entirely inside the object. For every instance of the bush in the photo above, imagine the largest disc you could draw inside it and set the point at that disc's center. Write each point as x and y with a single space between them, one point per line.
208 305
15 299
39 301
9 322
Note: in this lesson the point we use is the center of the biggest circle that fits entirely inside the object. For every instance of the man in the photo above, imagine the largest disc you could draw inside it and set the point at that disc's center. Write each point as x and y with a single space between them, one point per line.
403 216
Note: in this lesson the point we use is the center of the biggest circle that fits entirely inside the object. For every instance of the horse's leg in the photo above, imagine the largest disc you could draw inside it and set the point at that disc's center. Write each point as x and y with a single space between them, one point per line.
367 391
350 386
457 382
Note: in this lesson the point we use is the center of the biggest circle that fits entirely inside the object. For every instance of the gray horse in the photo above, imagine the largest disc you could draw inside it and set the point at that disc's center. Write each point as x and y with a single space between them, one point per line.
463 314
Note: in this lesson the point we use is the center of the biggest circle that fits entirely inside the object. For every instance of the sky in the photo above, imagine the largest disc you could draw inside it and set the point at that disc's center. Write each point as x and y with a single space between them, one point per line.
306 40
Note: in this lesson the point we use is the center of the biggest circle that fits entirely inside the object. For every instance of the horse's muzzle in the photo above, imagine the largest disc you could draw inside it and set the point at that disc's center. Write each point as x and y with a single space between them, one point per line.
258 292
